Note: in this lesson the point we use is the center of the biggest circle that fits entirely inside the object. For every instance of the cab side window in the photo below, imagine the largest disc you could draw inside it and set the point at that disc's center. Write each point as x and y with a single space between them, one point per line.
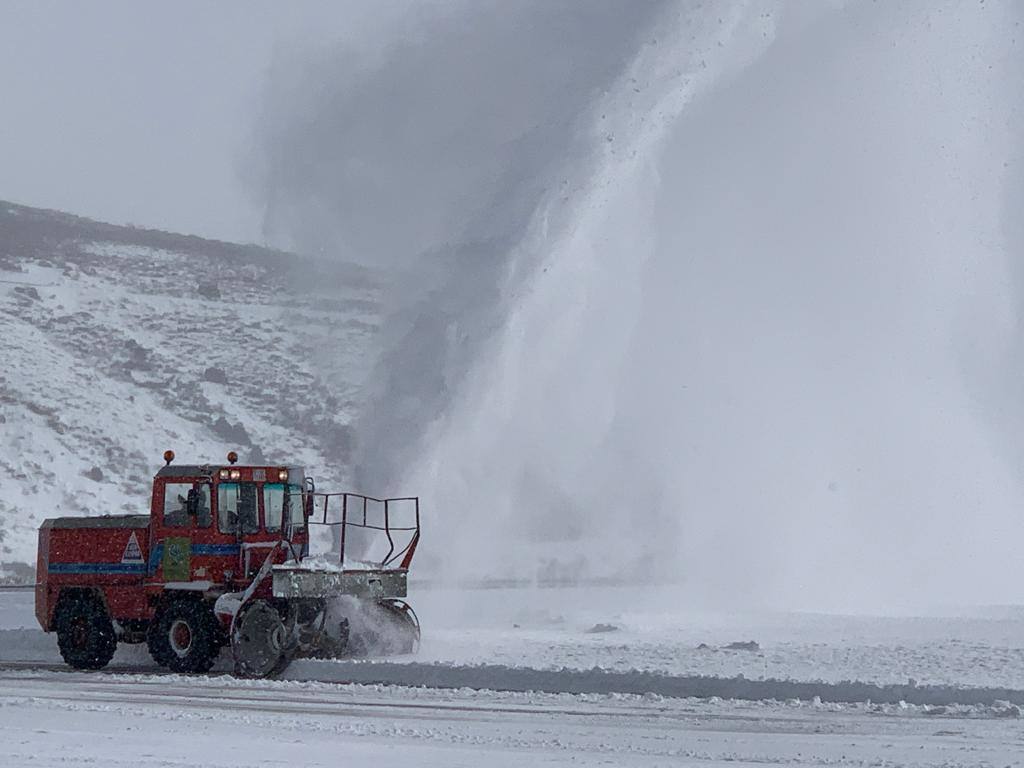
176 512
236 508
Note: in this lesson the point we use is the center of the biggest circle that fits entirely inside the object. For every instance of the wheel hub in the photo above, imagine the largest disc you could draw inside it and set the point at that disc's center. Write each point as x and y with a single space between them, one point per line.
180 637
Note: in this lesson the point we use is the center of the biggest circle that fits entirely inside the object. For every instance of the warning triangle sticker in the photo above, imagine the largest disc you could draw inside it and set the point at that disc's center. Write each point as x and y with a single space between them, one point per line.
132 551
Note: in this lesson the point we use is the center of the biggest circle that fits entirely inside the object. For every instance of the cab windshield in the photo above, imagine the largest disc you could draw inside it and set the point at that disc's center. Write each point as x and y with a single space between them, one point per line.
282 501
236 508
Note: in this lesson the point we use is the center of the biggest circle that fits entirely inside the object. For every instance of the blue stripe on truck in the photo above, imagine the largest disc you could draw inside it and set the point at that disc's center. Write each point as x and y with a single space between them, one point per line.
154 559
215 549
96 567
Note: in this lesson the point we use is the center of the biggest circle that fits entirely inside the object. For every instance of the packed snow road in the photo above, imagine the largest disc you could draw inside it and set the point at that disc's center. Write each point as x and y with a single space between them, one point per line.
615 697
51 719
651 630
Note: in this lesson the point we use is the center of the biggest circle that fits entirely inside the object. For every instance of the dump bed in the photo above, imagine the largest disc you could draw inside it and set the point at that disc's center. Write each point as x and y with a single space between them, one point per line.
108 552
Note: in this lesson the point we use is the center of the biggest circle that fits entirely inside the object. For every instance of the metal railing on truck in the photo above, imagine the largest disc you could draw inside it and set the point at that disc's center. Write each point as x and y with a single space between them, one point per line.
355 511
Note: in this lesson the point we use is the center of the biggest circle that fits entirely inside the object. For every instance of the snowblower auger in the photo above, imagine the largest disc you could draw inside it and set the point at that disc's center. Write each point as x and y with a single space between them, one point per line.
325 608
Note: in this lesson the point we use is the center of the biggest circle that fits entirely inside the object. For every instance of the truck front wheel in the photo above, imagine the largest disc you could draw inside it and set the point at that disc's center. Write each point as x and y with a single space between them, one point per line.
85 633
184 637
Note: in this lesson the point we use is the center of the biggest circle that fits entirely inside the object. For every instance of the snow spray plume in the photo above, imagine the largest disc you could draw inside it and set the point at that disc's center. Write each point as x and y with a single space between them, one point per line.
763 345
427 155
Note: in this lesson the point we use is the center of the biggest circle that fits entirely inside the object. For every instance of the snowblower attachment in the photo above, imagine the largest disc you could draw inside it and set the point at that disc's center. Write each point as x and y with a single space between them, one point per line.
329 606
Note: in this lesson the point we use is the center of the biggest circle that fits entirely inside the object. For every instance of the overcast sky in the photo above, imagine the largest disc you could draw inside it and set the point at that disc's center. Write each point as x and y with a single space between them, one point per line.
144 112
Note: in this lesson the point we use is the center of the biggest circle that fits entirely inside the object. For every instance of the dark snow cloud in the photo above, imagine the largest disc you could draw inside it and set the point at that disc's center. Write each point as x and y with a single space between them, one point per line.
428 156
446 134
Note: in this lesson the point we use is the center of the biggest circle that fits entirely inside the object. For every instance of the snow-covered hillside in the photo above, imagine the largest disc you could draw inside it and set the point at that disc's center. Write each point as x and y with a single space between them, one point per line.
118 343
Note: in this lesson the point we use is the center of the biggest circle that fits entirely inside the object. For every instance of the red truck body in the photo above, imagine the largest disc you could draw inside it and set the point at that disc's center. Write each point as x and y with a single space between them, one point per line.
94 553
218 539
132 564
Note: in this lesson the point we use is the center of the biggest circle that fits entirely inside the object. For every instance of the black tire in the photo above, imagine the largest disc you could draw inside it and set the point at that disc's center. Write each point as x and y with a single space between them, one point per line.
184 636
260 641
85 633
160 651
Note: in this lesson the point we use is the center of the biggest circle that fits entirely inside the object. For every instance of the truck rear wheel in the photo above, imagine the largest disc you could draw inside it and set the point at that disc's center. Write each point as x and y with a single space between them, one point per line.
184 637
85 633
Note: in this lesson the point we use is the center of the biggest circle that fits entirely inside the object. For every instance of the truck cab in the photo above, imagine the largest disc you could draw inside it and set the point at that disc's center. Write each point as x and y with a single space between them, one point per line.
211 527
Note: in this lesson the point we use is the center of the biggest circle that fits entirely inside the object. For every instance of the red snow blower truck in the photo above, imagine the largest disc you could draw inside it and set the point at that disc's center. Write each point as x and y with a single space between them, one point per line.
222 558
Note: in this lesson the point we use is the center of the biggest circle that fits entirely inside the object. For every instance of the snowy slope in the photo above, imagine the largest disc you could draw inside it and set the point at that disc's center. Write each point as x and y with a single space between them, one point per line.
119 343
